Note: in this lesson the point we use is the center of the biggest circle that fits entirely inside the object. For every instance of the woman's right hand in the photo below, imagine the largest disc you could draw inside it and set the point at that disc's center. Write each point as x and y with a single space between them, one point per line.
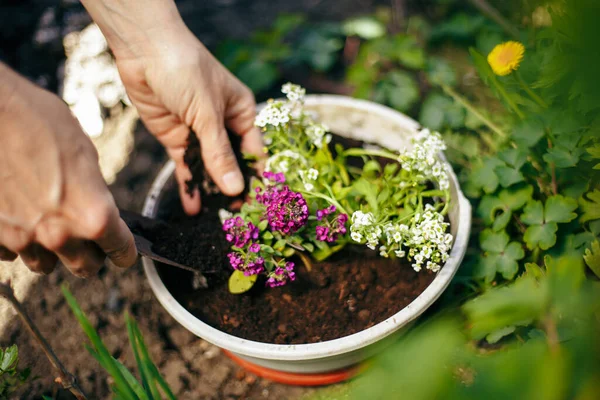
54 203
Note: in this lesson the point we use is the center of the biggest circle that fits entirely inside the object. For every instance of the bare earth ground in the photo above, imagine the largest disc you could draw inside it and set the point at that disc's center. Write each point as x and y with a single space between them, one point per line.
194 368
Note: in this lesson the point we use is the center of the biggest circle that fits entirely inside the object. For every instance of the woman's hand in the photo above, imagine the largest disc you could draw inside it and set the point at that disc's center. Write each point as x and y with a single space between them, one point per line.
186 87
54 203
177 85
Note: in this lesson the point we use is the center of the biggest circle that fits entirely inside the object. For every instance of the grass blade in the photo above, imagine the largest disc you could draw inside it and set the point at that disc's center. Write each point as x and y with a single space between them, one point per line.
121 385
140 359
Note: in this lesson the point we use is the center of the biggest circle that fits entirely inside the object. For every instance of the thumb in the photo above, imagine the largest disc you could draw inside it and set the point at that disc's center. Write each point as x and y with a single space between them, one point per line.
217 154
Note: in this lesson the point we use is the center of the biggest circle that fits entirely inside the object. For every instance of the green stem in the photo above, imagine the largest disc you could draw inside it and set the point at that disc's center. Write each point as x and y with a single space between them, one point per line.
508 99
329 199
530 92
371 152
466 104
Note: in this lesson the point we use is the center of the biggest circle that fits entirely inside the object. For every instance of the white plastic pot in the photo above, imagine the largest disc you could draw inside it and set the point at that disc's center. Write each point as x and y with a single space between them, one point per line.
362 120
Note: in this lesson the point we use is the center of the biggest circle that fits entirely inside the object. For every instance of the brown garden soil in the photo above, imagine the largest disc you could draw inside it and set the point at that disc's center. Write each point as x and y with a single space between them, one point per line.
353 290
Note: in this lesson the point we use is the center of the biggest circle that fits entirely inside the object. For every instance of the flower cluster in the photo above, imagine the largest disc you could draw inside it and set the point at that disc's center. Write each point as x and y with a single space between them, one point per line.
243 236
364 229
425 237
308 178
276 113
238 232
424 161
302 204
428 241
281 275
286 211
330 230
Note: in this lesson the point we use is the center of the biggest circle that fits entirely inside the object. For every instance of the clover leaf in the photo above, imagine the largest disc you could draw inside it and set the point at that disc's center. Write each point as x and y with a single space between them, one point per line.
500 256
528 132
543 220
440 72
591 207
498 210
484 175
594 151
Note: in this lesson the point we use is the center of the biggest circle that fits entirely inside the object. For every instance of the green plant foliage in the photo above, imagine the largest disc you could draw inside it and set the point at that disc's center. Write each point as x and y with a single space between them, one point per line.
11 377
440 111
125 386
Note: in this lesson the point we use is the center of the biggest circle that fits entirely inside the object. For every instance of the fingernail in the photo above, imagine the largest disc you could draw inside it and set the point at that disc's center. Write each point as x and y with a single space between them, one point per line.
234 182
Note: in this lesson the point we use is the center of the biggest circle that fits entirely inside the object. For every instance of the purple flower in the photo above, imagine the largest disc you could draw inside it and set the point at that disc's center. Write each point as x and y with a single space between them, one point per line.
331 230
254 248
238 232
281 276
287 211
274 177
248 267
325 212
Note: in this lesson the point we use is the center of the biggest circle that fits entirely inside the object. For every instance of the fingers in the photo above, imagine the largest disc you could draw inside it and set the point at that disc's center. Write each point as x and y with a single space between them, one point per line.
38 259
190 202
219 158
6 254
111 234
83 258
240 111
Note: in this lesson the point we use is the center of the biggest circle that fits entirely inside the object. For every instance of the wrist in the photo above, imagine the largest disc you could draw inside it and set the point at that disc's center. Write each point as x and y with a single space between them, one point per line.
136 28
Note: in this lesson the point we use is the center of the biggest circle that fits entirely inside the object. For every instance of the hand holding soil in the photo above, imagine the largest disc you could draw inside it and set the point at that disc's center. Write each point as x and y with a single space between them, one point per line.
176 84
54 203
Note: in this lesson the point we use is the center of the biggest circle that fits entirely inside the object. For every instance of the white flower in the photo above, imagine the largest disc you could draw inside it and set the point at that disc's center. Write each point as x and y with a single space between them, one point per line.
275 113
224 215
383 252
400 253
423 160
309 186
282 161
294 93
316 133
357 237
361 219
313 174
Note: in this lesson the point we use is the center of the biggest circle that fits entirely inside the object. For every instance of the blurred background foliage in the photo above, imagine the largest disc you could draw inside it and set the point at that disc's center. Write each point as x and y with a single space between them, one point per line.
522 318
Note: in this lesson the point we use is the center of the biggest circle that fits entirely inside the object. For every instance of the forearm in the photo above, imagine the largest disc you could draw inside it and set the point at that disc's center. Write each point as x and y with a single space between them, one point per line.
135 27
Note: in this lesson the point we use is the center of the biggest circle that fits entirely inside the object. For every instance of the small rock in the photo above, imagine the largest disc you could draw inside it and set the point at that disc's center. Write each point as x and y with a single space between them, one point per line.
287 297
351 303
364 315
391 292
235 388
240 374
114 302
282 328
250 379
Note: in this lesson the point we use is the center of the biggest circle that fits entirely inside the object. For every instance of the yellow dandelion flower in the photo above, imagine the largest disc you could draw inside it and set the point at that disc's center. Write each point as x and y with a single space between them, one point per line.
506 57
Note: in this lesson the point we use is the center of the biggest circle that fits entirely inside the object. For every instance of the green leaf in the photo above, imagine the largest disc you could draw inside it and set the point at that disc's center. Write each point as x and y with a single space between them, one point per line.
495 336
460 26
10 358
517 304
365 188
365 27
267 236
308 246
484 175
513 157
439 111
533 214
592 257
494 242
508 176
371 166
500 256
440 72
563 158
262 225
401 90
528 132
560 209
280 244
542 236
590 205
240 283
407 51
502 221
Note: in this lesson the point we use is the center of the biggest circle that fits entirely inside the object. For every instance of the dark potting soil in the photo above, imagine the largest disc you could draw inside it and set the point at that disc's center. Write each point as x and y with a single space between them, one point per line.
351 291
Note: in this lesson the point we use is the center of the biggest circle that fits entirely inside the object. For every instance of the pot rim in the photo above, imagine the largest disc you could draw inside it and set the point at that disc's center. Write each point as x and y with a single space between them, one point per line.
296 352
